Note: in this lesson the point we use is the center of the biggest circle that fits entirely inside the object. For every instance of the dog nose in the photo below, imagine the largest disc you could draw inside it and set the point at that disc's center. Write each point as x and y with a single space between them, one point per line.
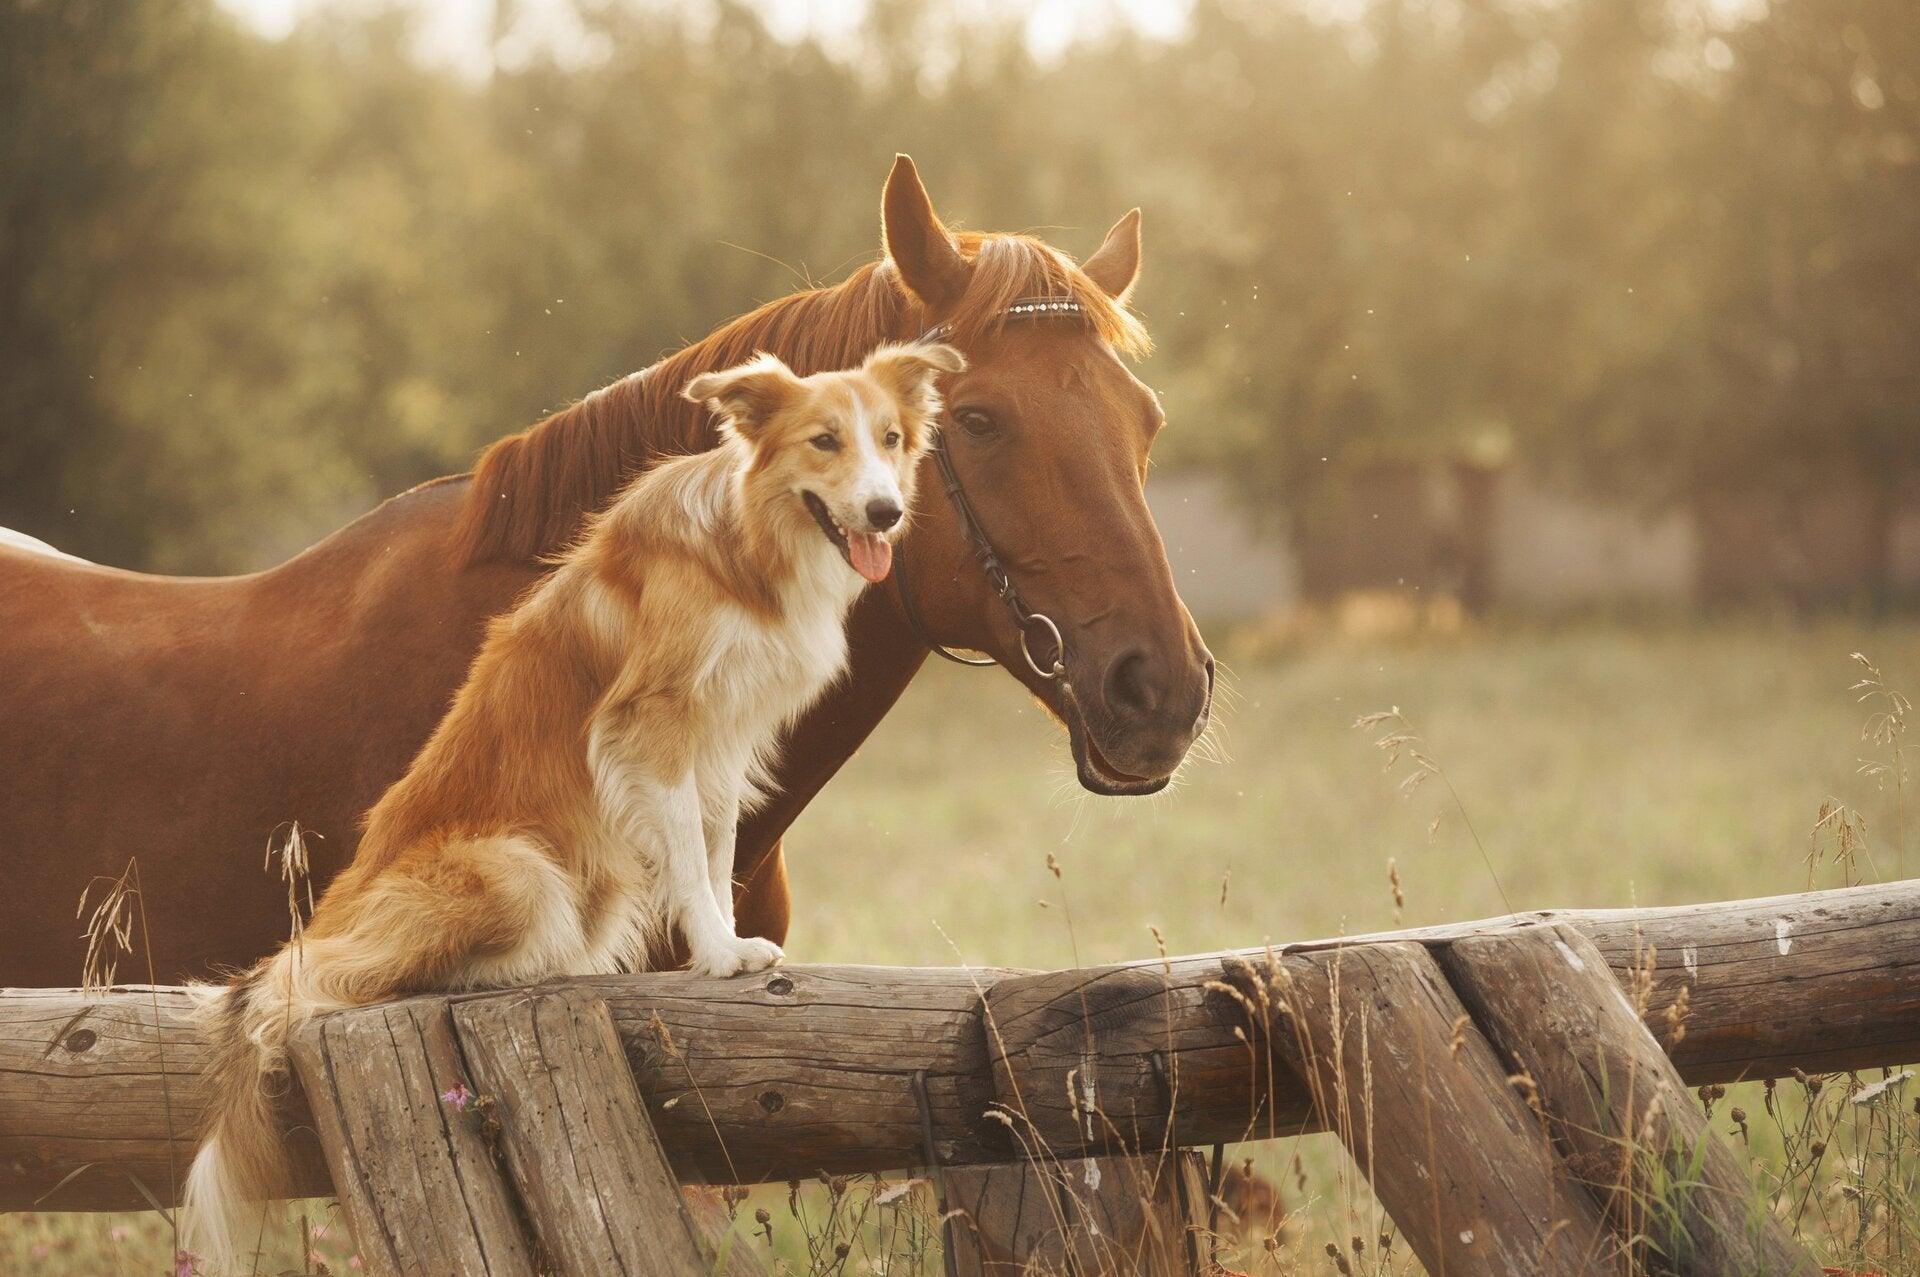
882 513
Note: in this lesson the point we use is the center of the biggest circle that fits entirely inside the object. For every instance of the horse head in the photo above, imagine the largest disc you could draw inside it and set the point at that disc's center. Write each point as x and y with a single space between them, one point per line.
1033 543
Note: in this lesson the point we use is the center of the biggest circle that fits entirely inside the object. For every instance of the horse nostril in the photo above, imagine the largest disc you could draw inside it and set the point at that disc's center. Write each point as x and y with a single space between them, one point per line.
1130 685
882 514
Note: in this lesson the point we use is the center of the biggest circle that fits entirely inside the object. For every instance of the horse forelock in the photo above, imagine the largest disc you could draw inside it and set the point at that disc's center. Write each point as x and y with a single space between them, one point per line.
531 491
1011 268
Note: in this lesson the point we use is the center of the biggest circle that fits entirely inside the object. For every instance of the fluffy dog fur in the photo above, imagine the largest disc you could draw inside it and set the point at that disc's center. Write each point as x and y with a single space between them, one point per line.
578 802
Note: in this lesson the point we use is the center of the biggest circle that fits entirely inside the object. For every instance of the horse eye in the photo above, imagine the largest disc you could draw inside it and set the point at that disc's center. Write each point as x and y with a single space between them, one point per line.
826 443
974 422
893 439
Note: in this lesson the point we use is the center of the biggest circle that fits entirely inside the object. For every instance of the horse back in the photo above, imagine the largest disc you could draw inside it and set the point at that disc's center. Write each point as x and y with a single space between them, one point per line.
183 723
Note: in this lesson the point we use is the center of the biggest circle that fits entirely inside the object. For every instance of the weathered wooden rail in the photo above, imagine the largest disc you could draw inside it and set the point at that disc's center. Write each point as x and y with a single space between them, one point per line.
808 1068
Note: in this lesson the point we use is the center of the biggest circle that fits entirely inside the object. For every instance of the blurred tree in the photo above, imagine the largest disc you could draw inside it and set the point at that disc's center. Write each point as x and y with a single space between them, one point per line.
128 237
248 287
1811 296
1342 211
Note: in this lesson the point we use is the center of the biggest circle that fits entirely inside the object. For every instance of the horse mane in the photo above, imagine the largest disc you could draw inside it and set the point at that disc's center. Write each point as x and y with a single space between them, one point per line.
531 491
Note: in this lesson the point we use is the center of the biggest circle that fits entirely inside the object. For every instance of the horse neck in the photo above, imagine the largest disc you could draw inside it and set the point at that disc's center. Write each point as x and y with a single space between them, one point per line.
408 544
532 491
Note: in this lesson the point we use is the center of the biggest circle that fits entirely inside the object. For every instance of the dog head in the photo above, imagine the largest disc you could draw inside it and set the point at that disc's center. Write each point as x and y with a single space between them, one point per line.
840 446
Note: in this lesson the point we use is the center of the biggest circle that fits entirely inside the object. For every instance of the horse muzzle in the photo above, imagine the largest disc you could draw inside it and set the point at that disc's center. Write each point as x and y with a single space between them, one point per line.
1138 734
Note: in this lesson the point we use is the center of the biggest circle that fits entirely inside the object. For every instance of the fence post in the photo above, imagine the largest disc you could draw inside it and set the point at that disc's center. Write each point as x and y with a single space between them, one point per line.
576 1138
1399 1073
1093 1216
422 1191
1616 1105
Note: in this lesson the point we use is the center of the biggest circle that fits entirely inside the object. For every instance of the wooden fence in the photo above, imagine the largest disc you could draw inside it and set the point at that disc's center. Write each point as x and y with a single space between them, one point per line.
632 1084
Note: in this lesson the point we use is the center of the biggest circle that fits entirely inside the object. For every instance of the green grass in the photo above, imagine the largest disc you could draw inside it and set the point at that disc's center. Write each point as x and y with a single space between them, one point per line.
1599 765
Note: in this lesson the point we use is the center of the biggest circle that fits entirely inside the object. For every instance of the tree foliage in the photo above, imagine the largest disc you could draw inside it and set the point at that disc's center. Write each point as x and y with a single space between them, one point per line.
248 287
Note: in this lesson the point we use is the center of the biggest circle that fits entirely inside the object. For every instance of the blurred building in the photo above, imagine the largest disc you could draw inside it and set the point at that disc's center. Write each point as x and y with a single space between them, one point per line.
1227 567
1503 539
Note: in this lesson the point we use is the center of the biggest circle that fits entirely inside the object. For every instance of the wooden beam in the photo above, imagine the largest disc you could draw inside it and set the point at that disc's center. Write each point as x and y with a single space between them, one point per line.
1840 970
804 1068
578 1145
420 1185
753 1079
1423 1104
801 1069
1618 1110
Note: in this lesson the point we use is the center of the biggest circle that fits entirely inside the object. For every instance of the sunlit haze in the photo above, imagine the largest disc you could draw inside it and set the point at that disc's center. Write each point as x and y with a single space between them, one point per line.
456 33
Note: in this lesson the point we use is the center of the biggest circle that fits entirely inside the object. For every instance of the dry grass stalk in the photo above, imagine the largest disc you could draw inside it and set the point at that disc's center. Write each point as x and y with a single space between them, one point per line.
109 929
1397 740
109 934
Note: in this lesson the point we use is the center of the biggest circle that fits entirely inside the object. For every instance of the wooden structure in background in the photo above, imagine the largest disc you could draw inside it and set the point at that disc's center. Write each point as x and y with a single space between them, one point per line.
606 1092
1083 1215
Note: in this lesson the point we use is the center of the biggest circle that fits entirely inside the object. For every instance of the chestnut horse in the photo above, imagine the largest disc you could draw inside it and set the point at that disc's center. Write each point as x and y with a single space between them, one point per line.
184 721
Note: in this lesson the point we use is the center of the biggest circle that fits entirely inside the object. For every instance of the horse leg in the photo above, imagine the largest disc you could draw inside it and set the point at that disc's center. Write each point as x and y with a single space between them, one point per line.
762 905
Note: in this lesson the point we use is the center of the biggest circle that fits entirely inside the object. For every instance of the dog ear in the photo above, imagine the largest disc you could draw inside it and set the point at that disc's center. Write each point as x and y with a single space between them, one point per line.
1115 265
747 395
913 239
909 371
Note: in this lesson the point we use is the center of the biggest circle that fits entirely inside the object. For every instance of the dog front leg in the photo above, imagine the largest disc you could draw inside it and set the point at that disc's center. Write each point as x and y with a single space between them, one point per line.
722 814
688 879
645 779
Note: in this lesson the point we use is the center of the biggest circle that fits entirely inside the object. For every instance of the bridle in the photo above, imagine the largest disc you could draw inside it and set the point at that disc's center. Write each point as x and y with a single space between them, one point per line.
1028 620
1024 617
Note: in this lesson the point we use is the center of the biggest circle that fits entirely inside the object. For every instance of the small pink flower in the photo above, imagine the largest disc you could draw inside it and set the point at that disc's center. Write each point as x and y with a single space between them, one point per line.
457 1095
185 1263
41 1250
353 1262
118 1232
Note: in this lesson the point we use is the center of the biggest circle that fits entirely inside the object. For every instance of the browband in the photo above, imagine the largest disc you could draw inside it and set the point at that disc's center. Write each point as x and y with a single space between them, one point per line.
1018 310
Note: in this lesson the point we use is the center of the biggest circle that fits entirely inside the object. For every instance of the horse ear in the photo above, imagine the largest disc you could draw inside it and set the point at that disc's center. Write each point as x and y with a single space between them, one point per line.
916 243
1115 265
748 395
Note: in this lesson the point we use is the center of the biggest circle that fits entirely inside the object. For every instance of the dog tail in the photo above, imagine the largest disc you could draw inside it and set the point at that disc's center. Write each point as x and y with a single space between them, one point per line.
242 1162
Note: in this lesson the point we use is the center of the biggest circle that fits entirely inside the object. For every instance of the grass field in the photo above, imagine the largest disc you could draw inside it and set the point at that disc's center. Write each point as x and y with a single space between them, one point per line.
1597 764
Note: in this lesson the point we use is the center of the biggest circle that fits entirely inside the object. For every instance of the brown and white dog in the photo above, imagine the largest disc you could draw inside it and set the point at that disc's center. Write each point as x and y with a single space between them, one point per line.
579 800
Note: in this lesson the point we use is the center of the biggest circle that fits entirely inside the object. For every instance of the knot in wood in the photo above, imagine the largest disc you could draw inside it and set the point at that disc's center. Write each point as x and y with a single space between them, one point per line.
1106 1007
772 1101
81 1040
780 986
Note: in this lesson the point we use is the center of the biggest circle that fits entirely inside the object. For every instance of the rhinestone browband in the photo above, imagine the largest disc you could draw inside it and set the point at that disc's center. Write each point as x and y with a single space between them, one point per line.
1044 305
1020 309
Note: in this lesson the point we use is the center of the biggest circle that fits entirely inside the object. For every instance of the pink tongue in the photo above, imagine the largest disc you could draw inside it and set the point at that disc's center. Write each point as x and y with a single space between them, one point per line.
872 555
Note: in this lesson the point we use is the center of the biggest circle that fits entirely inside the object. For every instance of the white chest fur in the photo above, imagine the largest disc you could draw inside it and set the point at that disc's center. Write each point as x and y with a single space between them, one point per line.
762 673
669 837
769 672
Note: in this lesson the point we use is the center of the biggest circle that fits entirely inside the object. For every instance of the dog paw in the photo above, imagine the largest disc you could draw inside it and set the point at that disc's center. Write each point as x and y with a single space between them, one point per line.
737 957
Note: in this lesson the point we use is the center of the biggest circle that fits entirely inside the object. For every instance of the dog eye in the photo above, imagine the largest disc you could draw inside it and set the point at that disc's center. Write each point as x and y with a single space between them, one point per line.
826 443
893 439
